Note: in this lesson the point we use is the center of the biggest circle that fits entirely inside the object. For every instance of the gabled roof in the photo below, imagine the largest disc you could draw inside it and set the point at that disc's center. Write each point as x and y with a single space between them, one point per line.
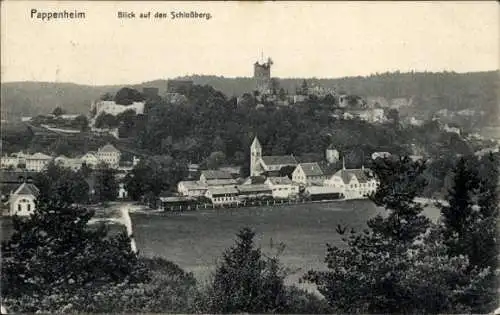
279 160
256 179
40 156
216 174
254 188
191 184
108 148
363 175
217 182
327 168
280 180
27 189
311 169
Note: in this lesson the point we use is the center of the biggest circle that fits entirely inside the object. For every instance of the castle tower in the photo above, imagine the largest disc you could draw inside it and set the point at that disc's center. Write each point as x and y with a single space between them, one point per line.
332 156
262 76
255 155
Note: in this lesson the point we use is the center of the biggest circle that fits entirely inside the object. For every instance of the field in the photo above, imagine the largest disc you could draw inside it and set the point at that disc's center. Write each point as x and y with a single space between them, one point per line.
195 240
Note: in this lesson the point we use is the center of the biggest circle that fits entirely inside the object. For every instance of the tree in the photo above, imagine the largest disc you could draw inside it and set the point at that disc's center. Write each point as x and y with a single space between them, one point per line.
81 122
400 264
107 97
215 160
54 254
244 281
106 186
58 111
62 184
126 96
469 220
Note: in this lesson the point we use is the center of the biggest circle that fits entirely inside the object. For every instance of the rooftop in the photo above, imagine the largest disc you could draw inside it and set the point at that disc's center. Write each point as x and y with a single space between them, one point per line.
279 160
363 175
311 169
216 174
27 189
108 148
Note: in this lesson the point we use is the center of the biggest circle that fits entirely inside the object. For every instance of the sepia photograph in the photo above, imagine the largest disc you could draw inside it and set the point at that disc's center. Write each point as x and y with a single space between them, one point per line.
250 157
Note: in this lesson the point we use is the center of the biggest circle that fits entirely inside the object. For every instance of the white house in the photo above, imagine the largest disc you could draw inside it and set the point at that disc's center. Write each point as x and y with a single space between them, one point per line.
282 187
222 195
191 188
9 161
90 159
353 183
22 200
72 163
110 107
122 192
382 155
307 173
109 155
37 162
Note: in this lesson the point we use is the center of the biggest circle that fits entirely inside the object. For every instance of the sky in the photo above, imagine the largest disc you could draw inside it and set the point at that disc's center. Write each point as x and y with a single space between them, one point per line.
318 39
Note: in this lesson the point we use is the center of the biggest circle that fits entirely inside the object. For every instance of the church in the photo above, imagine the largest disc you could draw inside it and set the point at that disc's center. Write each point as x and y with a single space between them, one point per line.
260 164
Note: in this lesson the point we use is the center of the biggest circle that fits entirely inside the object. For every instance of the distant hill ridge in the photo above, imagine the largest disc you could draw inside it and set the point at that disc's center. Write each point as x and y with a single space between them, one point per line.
440 90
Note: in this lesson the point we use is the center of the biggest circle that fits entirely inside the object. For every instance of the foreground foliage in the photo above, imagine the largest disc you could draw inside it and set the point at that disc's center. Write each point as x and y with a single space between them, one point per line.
402 263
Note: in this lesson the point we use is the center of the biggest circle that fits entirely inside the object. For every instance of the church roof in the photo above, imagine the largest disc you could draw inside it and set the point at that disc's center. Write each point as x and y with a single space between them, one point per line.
216 174
279 160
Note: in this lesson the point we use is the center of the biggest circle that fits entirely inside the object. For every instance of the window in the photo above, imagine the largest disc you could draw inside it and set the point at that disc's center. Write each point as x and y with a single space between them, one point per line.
19 207
29 207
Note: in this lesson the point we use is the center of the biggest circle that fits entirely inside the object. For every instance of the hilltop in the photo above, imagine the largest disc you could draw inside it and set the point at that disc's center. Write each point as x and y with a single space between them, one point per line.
429 91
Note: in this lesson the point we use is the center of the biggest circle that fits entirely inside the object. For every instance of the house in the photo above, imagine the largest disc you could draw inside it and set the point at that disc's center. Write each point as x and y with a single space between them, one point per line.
71 163
254 191
222 195
37 162
11 180
254 180
90 159
9 161
109 155
282 187
382 155
110 107
217 178
306 173
191 188
260 164
353 183
122 192
22 200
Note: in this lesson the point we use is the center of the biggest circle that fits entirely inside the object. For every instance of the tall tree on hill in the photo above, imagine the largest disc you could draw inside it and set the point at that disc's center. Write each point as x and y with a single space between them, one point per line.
247 282
469 223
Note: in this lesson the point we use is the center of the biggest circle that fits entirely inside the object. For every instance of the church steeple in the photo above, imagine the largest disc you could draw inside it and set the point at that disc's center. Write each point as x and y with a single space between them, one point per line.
255 155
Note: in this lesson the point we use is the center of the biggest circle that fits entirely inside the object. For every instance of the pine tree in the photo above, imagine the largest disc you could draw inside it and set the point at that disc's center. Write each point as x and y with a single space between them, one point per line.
399 264
469 222
245 281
